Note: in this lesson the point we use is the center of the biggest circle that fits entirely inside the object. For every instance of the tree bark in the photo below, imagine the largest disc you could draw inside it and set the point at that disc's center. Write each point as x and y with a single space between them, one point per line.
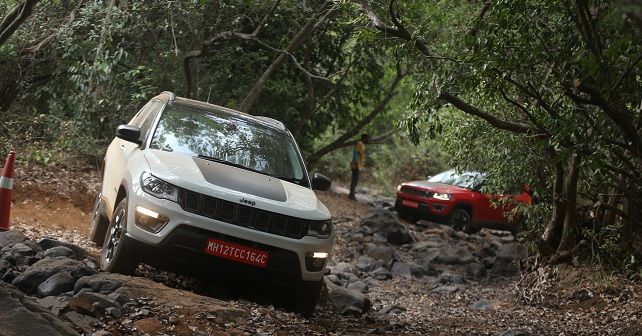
569 231
304 33
15 18
552 234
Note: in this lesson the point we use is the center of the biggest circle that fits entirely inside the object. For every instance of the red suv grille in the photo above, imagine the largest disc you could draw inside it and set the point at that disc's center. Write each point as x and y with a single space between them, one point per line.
242 215
416 192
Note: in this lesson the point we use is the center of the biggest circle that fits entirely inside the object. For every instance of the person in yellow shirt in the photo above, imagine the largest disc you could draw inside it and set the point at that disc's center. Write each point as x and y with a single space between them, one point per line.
357 163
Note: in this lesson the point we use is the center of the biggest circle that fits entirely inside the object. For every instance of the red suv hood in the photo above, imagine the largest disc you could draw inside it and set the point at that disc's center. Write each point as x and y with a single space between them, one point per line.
436 187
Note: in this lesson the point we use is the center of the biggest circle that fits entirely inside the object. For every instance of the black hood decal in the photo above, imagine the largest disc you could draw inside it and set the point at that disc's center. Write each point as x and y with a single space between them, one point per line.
242 180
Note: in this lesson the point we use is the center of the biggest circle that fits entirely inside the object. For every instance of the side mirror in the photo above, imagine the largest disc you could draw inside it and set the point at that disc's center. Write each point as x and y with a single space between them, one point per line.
129 133
320 182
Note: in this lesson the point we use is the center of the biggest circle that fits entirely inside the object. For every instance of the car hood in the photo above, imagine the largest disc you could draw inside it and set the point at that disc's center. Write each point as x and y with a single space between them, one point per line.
235 184
437 187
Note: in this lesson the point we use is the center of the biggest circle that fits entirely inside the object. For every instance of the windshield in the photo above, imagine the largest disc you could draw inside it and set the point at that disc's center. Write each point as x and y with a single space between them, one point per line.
469 180
228 139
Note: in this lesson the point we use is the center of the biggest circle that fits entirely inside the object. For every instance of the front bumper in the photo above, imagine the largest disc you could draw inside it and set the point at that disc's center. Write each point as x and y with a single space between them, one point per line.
432 211
179 246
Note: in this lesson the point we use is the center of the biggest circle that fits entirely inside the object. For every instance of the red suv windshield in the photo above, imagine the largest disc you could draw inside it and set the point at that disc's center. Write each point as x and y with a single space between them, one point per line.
469 180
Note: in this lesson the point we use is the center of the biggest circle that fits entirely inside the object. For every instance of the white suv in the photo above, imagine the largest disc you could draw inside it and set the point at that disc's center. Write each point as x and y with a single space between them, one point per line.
200 189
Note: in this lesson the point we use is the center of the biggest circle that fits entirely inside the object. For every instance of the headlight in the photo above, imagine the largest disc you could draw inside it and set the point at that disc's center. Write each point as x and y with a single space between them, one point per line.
443 197
320 229
399 188
158 188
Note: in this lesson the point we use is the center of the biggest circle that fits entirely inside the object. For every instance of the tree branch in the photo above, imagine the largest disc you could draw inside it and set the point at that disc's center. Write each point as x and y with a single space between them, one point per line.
15 18
337 143
480 17
496 122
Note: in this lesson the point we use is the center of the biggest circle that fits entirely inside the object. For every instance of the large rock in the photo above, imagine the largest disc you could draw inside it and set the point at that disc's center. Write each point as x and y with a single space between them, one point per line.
383 253
29 281
22 315
11 237
56 285
47 243
348 301
343 267
505 268
475 271
99 283
92 303
454 255
55 304
382 222
512 251
407 270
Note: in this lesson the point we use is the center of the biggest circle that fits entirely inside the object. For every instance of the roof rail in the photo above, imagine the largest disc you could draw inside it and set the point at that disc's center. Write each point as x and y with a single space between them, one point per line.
271 121
172 95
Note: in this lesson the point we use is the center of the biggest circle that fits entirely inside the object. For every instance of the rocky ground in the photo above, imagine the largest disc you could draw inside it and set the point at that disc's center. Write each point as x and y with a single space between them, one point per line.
386 277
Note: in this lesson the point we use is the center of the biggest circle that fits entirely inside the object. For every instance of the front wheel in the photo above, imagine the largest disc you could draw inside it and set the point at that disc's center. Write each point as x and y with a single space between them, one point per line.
115 256
99 224
304 299
460 220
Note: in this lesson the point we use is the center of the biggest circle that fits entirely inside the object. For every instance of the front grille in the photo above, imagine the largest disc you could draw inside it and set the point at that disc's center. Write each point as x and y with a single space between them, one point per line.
416 192
242 215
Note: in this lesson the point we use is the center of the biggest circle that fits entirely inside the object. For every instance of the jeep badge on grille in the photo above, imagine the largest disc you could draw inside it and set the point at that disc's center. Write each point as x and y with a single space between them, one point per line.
243 200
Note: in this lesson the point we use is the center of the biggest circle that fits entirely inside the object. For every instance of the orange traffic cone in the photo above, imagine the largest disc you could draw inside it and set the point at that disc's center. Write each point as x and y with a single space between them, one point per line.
6 187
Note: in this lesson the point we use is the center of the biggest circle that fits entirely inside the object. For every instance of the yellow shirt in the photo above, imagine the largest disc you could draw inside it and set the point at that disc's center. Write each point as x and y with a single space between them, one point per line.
358 156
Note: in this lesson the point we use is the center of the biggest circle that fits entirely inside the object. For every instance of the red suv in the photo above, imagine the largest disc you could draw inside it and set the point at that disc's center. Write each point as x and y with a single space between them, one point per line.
456 200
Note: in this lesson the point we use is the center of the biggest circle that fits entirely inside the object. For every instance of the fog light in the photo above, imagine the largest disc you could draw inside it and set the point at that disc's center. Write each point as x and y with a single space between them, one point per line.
150 220
315 261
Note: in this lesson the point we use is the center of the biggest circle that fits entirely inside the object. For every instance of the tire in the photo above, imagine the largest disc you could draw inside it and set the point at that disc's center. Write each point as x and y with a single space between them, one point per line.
99 223
115 256
461 220
405 216
304 300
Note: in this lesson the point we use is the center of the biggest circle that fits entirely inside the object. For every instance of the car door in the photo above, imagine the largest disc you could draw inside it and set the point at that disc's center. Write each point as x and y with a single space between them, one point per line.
119 153
492 208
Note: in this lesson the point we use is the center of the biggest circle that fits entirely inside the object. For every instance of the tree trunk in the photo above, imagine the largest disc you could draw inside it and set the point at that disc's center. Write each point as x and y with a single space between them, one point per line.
613 201
569 231
296 42
15 18
627 233
553 232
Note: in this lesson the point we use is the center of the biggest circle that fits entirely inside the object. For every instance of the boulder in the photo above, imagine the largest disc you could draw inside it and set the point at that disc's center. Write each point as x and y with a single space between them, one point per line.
343 267
398 236
381 221
56 285
37 273
454 255
381 274
450 277
347 301
85 323
368 264
48 242
391 309
475 271
358 286
59 251
22 315
93 304
383 253
512 251
505 268
407 270
445 289
11 237
99 283
55 304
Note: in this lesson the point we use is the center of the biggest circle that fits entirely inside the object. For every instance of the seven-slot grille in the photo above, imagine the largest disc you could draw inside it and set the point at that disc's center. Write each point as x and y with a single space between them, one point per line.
416 192
242 215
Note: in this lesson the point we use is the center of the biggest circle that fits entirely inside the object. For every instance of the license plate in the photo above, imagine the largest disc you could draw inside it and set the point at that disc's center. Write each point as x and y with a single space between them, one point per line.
410 204
236 252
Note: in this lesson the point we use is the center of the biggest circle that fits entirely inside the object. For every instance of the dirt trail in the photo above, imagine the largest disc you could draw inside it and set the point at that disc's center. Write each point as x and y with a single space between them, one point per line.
57 201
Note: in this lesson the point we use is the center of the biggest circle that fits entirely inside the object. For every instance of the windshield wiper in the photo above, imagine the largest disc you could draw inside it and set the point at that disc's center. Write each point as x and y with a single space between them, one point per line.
209 158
